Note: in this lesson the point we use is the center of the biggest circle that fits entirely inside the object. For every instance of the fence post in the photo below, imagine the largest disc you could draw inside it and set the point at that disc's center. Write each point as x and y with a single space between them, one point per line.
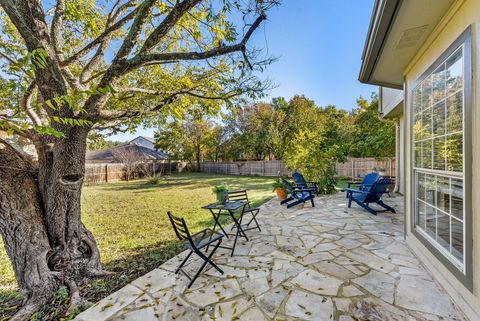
106 173
390 166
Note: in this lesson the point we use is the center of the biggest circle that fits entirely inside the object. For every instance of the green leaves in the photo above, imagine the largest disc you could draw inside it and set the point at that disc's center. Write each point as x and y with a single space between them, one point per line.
72 121
48 130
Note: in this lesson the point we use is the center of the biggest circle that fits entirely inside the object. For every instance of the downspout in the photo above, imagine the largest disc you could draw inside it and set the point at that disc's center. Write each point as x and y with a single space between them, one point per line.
397 157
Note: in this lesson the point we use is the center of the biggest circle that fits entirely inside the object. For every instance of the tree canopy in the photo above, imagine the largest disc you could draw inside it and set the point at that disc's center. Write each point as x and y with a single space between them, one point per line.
266 130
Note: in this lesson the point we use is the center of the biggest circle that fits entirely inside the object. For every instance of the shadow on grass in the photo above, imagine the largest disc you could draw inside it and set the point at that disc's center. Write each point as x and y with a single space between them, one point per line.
192 180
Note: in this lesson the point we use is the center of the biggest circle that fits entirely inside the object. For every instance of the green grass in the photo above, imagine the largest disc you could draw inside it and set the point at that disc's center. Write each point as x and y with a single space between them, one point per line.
131 227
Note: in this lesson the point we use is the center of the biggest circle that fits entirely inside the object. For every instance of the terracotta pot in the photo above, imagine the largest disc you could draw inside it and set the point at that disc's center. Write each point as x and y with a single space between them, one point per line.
281 193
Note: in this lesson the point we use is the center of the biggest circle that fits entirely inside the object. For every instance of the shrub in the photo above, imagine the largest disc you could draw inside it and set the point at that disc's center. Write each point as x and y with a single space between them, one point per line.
154 181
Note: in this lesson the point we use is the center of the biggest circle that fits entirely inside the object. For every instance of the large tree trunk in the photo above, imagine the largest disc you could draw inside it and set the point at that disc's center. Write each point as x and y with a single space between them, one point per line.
22 227
61 173
40 218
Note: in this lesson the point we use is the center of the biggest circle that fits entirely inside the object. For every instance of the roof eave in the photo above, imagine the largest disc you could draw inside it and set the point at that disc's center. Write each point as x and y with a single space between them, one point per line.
383 17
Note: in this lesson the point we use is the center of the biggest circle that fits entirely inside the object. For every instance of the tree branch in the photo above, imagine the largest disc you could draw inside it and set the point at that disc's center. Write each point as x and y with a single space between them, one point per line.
195 55
57 23
17 17
126 114
135 29
167 24
26 104
117 25
225 96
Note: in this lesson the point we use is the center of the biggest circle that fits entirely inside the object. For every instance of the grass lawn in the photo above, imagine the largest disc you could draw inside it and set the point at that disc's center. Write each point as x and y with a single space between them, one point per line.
131 226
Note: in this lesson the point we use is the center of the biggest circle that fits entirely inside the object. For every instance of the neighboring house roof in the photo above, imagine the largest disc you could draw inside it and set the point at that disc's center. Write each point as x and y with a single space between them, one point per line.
108 155
398 28
150 139
145 141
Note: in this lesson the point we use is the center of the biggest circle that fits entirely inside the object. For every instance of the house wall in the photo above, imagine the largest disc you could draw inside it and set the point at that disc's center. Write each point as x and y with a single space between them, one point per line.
391 101
462 14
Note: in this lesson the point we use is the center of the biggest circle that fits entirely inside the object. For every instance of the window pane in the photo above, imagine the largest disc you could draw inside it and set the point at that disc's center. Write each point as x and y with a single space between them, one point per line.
431 221
438 119
457 239
421 187
457 198
427 123
439 153
430 189
417 127
427 92
443 194
421 214
417 100
427 153
454 113
454 152
418 154
438 82
454 72
443 230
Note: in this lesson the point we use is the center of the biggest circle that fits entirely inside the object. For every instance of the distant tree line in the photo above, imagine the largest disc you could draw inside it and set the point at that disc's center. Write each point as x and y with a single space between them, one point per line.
307 137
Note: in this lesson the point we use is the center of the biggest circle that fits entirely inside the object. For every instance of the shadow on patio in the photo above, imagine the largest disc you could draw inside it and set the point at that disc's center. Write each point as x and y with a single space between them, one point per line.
322 263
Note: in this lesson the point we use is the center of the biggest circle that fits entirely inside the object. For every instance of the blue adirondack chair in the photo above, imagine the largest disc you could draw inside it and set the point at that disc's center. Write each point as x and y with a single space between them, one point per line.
373 194
366 183
297 194
301 182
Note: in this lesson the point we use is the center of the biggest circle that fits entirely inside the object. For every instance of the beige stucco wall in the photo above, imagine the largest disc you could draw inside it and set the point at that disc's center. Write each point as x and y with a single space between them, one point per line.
461 15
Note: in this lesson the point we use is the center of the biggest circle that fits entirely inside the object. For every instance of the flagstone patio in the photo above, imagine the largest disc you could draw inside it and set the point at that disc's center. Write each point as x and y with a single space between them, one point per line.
322 263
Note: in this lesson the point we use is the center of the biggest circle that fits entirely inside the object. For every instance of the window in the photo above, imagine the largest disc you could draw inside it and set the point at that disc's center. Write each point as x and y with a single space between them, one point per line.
438 131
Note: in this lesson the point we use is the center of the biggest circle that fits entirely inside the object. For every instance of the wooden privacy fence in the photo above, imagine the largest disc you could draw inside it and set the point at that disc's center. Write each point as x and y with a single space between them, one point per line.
113 172
359 167
251 168
353 167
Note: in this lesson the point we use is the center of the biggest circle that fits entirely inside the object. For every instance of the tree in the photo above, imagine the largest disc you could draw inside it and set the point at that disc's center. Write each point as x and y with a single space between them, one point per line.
215 143
131 159
185 138
63 81
249 126
371 136
311 148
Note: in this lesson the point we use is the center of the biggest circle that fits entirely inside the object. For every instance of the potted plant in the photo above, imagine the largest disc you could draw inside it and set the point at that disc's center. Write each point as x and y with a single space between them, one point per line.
279 189
221 191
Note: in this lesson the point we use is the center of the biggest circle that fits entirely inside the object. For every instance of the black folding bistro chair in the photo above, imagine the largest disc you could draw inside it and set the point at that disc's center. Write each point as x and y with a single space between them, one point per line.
195 243
242 196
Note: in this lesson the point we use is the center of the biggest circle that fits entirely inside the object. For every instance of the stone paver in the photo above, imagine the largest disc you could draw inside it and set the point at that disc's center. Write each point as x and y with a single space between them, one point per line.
324 263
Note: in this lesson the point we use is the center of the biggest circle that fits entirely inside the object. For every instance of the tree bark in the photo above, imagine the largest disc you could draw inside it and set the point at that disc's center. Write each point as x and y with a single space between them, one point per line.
40 218
23 230
61 173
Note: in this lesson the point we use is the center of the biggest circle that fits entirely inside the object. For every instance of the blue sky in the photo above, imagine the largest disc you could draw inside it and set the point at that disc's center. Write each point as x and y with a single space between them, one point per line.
319 46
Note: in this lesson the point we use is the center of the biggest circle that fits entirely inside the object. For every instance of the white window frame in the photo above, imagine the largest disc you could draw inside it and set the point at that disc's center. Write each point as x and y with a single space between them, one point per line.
462 270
